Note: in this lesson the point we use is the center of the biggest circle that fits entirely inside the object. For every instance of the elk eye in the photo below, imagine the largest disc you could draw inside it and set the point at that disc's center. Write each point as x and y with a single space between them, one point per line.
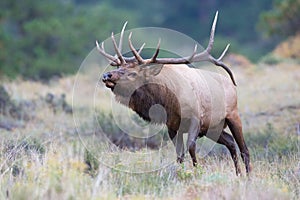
132 75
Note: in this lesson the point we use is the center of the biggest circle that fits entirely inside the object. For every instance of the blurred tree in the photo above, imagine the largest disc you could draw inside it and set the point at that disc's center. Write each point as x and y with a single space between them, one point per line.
39 39
283 19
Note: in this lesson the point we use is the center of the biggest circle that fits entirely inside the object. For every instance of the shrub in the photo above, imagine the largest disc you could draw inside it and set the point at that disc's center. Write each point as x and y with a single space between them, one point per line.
124 140
271 59
283 19
270 144
91 162
289 48
15 151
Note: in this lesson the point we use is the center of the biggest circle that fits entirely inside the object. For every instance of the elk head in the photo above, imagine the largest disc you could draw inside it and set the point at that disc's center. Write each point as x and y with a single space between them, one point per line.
134 70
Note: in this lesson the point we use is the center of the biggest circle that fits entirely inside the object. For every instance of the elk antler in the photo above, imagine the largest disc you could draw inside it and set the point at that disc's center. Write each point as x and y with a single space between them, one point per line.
121 59
202 56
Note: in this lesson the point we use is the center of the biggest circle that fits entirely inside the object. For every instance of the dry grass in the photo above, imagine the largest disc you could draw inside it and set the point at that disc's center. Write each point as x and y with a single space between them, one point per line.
266 95
289 48
270 94
61 174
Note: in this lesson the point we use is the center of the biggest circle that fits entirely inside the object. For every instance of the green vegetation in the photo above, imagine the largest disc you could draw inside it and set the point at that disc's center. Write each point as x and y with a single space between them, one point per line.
283 19
270 144
42 39
270 59
91 161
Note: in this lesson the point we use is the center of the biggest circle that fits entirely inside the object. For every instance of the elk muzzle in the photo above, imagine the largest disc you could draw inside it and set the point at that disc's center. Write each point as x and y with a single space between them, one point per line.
107 79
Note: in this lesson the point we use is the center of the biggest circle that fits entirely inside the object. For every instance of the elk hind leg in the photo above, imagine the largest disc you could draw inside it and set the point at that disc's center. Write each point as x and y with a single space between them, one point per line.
227 140
235 125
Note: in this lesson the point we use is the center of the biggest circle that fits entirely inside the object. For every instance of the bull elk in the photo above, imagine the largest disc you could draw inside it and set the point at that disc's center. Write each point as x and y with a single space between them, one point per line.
188 96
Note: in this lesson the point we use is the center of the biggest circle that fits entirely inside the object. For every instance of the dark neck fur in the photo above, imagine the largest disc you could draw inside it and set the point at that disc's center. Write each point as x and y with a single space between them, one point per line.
151 94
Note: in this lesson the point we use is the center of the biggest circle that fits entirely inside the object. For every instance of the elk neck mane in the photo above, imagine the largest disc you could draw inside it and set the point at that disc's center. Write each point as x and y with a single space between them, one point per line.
148 95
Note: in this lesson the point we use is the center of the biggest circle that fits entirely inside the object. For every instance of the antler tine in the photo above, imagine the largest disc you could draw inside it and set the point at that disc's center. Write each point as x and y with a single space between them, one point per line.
202 56
141 48
224 52
153 59
106 55
116 49
225 67
194 53
133 59
135 53
212 34
218 62
121 36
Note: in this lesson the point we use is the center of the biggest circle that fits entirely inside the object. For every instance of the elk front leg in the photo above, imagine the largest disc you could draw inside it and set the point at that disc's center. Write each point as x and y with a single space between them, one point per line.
192 136
177 139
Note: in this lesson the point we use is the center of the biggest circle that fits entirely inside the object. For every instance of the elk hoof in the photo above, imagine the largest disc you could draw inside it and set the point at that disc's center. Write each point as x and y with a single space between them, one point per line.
180 159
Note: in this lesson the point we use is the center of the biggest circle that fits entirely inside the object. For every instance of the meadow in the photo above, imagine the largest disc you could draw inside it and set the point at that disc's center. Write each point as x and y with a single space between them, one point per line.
42 155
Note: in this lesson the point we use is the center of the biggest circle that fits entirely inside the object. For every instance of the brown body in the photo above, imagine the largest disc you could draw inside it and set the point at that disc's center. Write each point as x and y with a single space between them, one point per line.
193 101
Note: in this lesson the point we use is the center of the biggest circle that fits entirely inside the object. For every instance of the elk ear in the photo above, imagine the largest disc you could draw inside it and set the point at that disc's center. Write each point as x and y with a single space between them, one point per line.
151 69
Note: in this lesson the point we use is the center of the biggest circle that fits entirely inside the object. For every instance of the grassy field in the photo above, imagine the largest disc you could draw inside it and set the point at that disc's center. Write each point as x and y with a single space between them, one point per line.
42 157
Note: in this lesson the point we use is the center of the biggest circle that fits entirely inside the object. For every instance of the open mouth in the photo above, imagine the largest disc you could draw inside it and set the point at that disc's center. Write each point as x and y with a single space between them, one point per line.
109 83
